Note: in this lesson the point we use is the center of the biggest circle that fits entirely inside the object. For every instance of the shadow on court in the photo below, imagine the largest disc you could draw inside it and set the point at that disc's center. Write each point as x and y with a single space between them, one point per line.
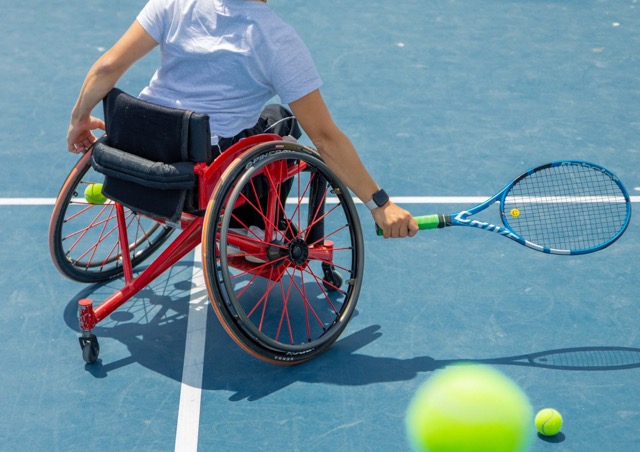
153 327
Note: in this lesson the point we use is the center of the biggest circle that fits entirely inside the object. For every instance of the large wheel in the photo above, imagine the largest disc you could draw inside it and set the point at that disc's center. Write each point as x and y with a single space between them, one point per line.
83 237
283 253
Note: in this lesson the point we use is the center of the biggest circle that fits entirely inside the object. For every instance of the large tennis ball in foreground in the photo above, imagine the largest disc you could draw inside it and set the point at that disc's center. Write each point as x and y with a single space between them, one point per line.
469 408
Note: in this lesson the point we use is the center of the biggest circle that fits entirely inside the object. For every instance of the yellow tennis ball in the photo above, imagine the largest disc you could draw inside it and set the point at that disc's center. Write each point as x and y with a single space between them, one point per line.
93 194
469 408
515 213
548 422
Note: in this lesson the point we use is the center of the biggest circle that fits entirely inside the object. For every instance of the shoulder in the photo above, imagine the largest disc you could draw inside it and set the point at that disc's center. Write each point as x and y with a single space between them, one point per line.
265 18
158 5
285 36
167 7
154 10
158 17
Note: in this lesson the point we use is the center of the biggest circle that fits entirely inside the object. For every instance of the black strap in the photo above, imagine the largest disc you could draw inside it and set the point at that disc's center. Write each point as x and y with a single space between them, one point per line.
184 138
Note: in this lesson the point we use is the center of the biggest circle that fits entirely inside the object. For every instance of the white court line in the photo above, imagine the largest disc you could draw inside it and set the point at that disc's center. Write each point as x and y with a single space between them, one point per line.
27 201
192 369
446 199
330 200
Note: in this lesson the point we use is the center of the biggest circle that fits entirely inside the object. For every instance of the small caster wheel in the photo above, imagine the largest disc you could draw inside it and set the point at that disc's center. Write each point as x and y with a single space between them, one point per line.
332 280
90 348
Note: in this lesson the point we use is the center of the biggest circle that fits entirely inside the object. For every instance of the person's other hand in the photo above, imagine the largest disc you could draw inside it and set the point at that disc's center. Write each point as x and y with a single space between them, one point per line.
80 136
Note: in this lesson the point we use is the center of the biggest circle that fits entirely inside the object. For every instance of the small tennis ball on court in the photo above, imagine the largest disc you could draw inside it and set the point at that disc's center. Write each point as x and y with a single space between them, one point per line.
469 408
93 194
548 422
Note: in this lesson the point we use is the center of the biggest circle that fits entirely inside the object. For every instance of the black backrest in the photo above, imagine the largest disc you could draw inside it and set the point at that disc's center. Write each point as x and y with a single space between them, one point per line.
154 132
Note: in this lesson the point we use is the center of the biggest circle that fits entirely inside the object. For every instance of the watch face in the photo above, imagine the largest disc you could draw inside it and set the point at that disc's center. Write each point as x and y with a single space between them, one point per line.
380 198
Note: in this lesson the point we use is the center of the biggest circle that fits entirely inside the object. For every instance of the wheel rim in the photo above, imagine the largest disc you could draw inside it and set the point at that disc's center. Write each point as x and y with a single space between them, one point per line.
84 236
284 304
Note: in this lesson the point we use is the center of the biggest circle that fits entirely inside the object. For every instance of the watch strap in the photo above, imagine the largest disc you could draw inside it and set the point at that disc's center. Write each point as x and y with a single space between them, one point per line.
379 199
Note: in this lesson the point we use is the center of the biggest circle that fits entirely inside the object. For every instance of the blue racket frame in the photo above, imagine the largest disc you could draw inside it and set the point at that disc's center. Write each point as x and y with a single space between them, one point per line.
463 218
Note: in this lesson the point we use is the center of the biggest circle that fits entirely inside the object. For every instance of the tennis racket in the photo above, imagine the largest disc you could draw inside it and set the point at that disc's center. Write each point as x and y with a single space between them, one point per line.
564 207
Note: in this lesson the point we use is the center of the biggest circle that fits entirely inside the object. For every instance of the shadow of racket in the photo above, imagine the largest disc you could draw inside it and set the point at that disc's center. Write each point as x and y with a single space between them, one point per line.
577 358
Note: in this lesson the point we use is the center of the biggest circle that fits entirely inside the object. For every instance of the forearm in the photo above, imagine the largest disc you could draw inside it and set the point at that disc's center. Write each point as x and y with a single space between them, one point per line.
340 155
333 145
342 158
99 81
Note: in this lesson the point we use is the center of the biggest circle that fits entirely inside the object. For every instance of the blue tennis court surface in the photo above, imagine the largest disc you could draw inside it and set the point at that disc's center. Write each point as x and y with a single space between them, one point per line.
443 99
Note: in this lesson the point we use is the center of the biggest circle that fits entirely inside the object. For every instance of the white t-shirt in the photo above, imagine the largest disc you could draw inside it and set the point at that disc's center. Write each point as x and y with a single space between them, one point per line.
226 58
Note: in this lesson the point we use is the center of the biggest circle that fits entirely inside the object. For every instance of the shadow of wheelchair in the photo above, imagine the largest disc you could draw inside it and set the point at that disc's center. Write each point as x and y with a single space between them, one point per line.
153 327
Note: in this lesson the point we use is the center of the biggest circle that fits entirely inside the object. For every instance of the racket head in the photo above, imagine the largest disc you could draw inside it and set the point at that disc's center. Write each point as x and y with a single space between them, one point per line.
566 207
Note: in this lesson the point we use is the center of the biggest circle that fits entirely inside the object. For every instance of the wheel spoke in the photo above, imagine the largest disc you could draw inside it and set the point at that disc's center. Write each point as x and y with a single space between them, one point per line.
282 285
84 238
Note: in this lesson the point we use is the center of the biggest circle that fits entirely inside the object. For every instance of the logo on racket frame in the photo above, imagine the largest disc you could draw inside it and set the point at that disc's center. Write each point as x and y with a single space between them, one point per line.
462 219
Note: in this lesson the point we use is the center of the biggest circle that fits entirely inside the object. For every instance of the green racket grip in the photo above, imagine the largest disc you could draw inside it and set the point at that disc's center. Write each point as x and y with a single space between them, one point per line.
435 221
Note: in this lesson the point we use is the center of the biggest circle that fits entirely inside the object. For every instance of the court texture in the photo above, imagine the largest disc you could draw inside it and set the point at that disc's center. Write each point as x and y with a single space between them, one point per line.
446 100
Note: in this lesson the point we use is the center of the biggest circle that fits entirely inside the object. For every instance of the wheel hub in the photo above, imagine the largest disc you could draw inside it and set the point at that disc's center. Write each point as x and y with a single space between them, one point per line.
298 251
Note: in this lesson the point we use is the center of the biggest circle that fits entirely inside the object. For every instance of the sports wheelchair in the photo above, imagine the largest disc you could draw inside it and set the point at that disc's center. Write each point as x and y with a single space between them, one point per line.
282 247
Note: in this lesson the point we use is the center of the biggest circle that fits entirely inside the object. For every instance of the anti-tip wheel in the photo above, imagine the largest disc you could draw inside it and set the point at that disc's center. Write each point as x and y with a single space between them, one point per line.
90 348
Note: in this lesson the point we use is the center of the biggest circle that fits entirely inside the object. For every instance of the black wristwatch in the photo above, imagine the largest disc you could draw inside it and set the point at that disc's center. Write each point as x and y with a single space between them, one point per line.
378 199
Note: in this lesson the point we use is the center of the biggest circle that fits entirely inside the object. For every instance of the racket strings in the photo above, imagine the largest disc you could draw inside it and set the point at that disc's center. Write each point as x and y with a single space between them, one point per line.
566 207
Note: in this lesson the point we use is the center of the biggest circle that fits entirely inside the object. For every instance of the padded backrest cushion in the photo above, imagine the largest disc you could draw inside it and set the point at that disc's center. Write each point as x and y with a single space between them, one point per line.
155 132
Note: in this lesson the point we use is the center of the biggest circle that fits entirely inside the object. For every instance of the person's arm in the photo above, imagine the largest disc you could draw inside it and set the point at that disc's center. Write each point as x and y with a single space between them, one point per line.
341 156
102 77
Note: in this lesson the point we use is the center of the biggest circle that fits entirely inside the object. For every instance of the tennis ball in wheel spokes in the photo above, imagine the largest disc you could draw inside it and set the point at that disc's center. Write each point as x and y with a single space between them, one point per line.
93 194
548 422
469 408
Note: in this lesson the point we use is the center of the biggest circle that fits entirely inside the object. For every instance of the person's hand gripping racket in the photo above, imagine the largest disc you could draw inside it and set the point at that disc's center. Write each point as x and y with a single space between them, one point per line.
394 222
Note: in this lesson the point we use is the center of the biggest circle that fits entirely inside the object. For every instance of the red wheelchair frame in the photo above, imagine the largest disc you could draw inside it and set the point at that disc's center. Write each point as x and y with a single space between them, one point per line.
284 297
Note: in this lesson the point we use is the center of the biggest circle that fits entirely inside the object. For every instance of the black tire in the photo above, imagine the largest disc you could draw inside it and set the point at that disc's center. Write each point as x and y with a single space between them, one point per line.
281 310
83 237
